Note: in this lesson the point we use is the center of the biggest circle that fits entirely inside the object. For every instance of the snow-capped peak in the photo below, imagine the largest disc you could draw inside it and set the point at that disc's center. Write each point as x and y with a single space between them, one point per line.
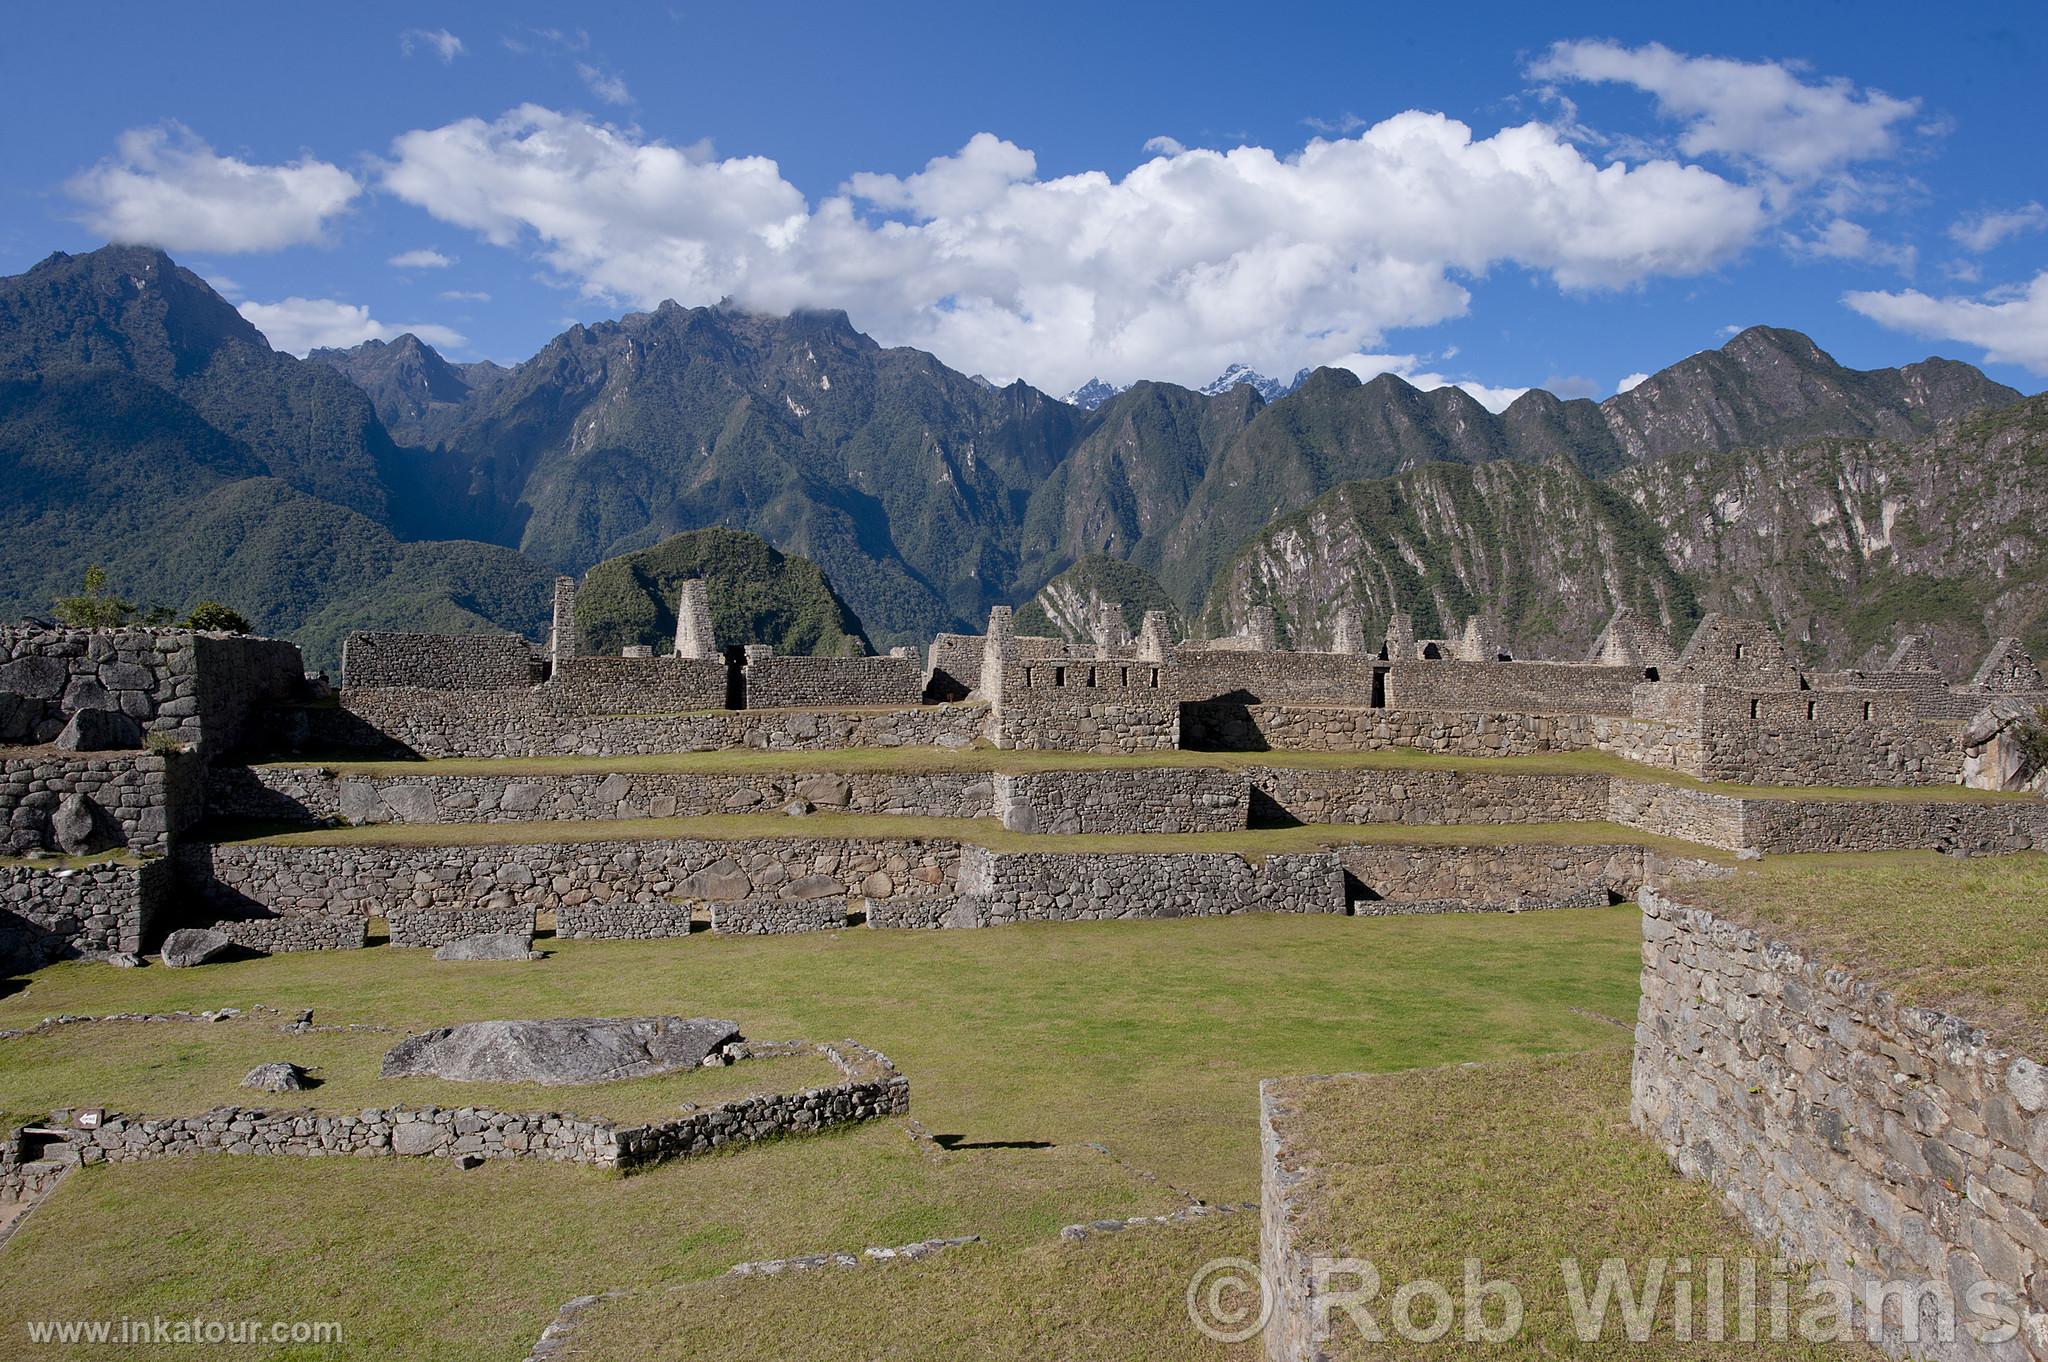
1093 394
1268 388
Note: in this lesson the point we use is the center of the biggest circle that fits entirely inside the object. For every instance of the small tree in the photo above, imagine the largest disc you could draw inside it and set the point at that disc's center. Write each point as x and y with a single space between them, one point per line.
2032 739
212 615
95 607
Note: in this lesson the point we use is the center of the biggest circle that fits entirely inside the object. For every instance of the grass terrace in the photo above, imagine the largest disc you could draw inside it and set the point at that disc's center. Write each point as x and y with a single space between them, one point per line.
983 759
1966 936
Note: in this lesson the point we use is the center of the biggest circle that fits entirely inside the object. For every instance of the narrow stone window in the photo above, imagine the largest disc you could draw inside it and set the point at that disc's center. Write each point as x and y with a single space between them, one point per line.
1756 709
1738 652
1124 677
1155 678
1867 709
1812 710
1059 676
1091 678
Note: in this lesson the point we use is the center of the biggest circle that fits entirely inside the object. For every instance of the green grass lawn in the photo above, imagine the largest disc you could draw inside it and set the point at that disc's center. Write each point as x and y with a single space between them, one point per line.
980 758
1025 1046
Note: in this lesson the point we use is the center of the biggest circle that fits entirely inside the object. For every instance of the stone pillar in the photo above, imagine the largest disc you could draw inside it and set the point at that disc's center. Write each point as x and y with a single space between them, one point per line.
1350 631
1472 647
998 649
1155 641
694 636
563 640
1107 625
1401 637
1261 629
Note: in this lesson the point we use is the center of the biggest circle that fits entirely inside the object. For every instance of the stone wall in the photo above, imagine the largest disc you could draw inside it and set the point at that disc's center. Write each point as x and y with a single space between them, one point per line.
777 917
1200 674
1788 737
1512 687
436 927
513 724
1227 727
621 920
1425 878
870 1089
833 682
141 800
953 667
54 914
1874 1140
249 880
1052 887
271 934
438 661
1701 816
582 687
309 793
1160 799
1364 795
201 689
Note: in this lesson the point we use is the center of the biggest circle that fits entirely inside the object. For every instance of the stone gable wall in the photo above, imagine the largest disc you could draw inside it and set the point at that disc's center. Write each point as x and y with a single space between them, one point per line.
831 682
1874 1140
438 661
56 914
147 798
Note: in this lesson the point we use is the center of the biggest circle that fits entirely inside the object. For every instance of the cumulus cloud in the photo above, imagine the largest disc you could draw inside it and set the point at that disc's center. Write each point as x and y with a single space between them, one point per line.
1764 112
1632 382
421 260
438 41
1841 239
163 186
297 325
2010 325
1981 232
1193 260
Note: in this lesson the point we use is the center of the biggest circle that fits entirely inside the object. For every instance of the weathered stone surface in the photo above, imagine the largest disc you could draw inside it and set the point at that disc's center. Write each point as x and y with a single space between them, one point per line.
100 730
491 946
720 880
80 829
814 887
275 1077
189 946
124 960
560 1051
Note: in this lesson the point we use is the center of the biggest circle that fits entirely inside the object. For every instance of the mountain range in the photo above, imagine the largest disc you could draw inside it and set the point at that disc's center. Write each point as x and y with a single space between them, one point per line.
145 425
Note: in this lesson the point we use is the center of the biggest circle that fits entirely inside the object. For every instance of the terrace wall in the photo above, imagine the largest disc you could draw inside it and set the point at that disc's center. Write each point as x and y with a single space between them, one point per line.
1229 727
1002 887
1424 878
1364 795
1161 799
1874 1140
55 914
147 798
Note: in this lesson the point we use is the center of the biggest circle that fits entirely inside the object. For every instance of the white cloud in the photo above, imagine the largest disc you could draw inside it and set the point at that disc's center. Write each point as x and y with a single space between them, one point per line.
2010 325
604 84
439 41
163 186
1764 112
1193 260
297 325
1983 231
1409 369
421 260
1842 239
464 295
1631 383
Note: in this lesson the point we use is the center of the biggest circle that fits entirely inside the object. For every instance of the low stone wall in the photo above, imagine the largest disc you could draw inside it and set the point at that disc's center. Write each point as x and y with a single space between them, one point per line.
431 927
62 913
918 914
247 880
143 798
438 661
1228 727
309 793
430 723
831 682
1876 1141
617 920
271 935
1421 878
777 917
1360 796
1000 887
1162 799
872 1088
582 687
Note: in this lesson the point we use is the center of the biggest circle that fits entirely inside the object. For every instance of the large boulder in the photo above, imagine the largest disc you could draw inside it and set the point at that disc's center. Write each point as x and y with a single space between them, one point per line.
277 1077
559 1052
490 946
190 946
81 828
814 887
100 730
722 879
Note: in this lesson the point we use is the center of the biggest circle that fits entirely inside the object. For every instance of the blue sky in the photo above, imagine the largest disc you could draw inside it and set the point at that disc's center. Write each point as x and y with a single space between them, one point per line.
1503 196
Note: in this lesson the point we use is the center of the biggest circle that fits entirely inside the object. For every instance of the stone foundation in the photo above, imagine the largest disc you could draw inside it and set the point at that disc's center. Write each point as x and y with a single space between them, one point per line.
777 917
1873 1140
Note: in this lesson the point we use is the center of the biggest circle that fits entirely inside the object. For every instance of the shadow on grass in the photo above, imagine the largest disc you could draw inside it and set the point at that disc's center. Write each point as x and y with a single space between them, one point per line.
953 1142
